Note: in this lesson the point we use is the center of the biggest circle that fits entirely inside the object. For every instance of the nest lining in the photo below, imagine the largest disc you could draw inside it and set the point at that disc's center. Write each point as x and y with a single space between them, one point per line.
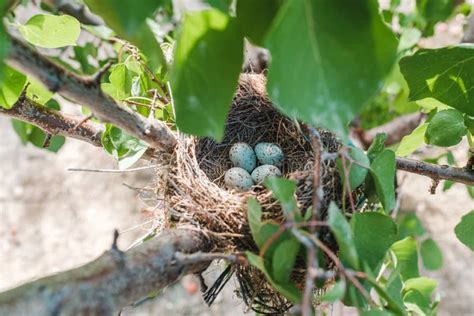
191 182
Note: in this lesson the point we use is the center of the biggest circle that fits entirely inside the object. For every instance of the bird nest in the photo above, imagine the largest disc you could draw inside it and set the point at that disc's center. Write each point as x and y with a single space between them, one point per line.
191 185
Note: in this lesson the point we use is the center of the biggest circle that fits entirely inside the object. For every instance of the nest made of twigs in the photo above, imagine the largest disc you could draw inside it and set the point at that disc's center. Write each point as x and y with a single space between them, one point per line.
191 184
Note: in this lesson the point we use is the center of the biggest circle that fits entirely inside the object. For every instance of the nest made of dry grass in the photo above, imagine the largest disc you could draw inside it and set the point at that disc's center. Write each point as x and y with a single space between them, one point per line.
191 182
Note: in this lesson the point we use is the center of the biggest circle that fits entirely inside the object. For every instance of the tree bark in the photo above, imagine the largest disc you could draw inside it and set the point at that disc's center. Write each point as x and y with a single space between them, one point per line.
111 282
87 92
54 122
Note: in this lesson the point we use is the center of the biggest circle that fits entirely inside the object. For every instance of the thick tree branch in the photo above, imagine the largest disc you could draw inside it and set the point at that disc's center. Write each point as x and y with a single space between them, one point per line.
79 11
54 122
86 91
436 172
114 280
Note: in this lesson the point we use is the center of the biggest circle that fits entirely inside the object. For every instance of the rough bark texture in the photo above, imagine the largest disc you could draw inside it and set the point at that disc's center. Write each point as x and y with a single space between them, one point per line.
86 91
54 122
460 175
114 280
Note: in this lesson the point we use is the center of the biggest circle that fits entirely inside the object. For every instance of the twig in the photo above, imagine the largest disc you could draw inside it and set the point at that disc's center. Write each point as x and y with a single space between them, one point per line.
312 265
114 170
199 257
54 122
436 172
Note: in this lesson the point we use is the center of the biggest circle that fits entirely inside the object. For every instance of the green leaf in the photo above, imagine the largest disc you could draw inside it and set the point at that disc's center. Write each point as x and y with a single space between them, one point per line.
38 92
465 230
415 302
207 63
284 259
447 79
128 20
255 17
22 129
410 225
424 285
343 233
254 214
82 54
377 146
222 5
284 191
407 257
336 292
37 137
431 255
11 87
328 59
446 128
125 148
289 289
435 10
51 31
413 141
374 233
356 172
383 173
4 42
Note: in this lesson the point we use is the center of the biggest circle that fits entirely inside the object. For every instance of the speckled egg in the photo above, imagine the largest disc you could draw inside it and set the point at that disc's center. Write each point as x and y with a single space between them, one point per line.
269 154
243 156
260 173
238 179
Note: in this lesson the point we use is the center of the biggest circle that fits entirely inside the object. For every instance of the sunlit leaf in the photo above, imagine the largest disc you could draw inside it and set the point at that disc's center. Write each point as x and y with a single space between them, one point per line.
51 31
328 59
413 141
407 257
207 63
448 78
11 87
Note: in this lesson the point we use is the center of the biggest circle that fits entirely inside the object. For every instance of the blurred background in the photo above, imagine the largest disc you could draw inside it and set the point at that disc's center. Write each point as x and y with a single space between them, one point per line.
52 219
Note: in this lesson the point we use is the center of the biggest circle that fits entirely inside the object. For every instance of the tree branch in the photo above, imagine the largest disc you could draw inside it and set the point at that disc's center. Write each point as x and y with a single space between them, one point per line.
395 129
54 122
79 11
112 281
86 91
436 172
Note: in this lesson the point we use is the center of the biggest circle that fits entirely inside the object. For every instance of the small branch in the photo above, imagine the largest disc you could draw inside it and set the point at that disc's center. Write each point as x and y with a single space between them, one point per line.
86 91
200 257
114 170
54 122
436 172
114 280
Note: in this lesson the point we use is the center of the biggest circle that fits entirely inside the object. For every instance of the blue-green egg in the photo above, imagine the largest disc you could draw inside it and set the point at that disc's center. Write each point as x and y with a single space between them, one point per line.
260 173
269 154
242 155
238 179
